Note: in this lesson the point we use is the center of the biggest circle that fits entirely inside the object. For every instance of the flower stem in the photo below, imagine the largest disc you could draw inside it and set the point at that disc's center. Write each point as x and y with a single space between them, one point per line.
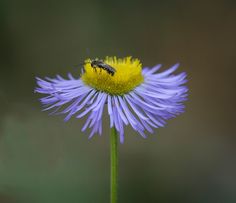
114 165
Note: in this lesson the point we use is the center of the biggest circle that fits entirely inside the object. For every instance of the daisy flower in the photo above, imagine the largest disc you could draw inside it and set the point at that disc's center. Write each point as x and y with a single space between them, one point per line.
140 97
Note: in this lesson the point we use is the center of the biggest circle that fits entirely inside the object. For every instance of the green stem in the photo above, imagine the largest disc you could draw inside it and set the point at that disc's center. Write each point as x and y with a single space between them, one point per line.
114 165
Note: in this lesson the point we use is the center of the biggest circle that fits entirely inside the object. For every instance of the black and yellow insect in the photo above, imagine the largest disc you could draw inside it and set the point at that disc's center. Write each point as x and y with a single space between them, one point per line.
97 63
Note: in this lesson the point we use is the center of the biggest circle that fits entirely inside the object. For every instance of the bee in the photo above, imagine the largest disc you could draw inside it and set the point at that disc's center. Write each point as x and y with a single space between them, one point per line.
97 63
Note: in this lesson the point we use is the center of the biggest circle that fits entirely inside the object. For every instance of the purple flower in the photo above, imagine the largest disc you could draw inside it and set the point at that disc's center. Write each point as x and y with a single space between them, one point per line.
141 98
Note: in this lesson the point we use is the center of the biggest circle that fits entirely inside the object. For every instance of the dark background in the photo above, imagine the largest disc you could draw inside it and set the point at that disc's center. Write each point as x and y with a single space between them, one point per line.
43 159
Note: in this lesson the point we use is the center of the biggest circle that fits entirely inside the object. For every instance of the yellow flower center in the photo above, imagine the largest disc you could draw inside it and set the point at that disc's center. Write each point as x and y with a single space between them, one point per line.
127 75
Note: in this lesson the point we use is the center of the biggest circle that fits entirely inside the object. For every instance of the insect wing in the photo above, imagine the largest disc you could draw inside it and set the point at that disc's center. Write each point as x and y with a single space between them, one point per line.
108 67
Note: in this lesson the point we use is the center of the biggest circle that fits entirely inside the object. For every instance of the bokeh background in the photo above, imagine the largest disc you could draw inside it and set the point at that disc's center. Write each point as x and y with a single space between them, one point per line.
44 160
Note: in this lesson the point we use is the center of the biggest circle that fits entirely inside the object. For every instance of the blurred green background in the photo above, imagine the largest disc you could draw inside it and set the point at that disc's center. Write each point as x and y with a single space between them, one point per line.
44 160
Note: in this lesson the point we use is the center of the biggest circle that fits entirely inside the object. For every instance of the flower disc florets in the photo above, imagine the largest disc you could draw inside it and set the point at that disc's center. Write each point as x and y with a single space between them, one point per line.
128 75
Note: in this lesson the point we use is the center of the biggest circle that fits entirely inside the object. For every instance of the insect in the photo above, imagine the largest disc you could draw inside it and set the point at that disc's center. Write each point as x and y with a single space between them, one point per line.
97 63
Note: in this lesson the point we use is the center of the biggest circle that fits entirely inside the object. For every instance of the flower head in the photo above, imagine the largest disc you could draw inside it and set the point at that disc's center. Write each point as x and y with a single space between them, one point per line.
133 96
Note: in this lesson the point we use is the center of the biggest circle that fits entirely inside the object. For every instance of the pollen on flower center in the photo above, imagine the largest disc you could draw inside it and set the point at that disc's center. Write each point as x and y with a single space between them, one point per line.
127 76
